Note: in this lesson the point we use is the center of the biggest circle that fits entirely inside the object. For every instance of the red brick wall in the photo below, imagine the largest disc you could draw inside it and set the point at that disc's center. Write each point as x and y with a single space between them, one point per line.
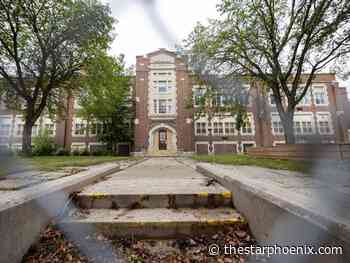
185 130
141 92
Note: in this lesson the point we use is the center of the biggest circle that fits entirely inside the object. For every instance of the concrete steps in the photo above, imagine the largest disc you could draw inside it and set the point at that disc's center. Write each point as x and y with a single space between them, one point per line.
171 200
153 222
159 198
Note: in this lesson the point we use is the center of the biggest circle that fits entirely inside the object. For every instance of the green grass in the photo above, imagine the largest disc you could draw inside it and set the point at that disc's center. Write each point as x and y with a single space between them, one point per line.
234 159
51 163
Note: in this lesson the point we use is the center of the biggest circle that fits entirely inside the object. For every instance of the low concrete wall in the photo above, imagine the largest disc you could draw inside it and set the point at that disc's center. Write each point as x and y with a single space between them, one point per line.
303 151
276 222
24 214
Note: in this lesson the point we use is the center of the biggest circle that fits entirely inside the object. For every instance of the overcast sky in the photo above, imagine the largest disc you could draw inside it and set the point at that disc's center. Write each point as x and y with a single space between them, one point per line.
146 25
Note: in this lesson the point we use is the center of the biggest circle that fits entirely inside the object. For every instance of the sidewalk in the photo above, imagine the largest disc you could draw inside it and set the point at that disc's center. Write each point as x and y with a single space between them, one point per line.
287 207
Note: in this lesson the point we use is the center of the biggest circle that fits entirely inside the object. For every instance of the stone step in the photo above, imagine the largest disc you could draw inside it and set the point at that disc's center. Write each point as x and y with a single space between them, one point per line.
152 223
102 200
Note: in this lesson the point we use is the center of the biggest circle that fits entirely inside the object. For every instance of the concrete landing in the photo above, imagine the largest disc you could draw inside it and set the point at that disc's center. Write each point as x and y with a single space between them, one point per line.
154 223
155 183
158 198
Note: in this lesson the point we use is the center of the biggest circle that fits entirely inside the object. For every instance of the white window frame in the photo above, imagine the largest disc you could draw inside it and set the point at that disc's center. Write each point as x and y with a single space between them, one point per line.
324 88
304 117
319 115
276 118
79 121
307 95
206 128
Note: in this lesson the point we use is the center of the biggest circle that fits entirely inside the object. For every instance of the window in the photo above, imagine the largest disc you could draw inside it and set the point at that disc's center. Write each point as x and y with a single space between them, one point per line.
277 127
35 130
162 86
297 127
96 128
320 96
303 127
162 106
306 100
218 128
198 94
324 123
217 100
79 129
230 128
155 108
324 127
201 128
307 127
247 128
169 105
50 128
5 129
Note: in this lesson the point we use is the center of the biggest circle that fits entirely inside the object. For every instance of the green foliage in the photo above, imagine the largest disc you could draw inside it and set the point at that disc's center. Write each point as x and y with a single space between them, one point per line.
105 99
43 45
275 43
43 144
62 152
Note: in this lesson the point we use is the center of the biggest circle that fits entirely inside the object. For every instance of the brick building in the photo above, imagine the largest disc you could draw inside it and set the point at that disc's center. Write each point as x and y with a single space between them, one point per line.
164 125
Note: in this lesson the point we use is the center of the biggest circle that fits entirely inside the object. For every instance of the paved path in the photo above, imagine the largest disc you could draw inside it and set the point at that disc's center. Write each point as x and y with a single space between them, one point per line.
156 176
157 198
324 200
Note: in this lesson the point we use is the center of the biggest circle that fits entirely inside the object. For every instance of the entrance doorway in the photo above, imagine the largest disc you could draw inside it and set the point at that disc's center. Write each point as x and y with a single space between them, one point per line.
162 140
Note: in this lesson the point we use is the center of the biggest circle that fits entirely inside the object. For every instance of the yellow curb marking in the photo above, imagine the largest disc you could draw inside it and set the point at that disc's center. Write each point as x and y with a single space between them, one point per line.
227 194
98 195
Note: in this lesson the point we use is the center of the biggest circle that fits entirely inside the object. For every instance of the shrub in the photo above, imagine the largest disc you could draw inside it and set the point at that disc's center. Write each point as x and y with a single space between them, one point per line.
85 153
100 153
76 152
62 152
43 144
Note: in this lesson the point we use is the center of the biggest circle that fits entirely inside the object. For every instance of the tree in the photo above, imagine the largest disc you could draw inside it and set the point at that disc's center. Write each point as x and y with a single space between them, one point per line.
43 45
105 99
211 102
219 95
280 43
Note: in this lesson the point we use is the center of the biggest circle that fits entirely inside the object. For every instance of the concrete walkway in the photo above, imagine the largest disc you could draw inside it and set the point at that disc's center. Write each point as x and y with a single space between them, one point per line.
156 176
290 208
157 198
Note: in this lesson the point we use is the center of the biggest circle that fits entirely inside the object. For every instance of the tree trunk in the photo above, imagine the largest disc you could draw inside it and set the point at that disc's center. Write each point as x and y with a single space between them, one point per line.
288 126
210 137
27 138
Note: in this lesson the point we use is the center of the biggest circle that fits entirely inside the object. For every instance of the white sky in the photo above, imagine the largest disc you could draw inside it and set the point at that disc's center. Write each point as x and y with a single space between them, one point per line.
146 25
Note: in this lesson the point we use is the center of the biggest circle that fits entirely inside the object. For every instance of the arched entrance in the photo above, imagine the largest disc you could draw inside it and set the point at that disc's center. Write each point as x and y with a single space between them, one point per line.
162 140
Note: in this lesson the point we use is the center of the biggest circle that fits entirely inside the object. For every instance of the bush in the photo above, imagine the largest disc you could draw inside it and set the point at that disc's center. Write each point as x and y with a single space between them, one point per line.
100 153
43 144
85 153
76 152
62 152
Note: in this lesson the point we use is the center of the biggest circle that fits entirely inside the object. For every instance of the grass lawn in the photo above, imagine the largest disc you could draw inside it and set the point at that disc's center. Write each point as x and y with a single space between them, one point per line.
235 159
52 163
